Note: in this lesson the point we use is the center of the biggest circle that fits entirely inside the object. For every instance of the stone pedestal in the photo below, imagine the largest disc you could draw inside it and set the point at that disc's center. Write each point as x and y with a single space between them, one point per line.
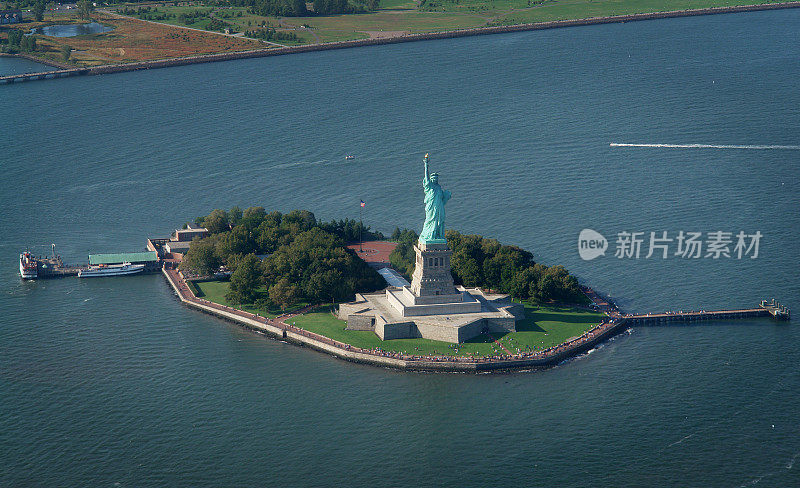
432 281
431 307
432 291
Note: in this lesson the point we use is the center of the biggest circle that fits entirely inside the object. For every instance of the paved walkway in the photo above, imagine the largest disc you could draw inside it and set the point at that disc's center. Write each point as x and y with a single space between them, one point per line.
559 352
502 346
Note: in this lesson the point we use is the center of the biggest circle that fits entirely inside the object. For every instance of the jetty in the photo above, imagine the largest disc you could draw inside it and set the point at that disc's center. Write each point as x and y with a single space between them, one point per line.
694 316
765 309
44 75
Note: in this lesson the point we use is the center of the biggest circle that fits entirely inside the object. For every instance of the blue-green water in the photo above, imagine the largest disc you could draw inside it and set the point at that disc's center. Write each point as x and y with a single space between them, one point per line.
17 66
112 383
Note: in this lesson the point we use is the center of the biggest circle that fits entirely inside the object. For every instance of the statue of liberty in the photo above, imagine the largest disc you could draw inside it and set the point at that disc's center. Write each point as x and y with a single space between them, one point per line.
435 198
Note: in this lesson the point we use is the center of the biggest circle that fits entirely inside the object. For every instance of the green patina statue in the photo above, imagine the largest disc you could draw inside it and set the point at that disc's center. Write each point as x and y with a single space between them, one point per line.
435 198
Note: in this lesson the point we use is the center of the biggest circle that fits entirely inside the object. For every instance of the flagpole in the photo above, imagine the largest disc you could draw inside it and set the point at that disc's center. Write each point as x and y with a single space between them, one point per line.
360 227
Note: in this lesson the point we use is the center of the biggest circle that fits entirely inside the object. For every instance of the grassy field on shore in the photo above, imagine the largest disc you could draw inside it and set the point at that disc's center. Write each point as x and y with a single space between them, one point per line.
544 326
130 41
395 17
214 291
137 39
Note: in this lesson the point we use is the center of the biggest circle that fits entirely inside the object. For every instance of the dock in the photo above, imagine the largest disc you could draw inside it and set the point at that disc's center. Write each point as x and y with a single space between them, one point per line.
53 266
694 316
765 309
780 312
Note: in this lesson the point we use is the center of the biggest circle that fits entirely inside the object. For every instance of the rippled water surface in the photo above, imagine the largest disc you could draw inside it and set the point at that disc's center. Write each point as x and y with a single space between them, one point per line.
17 66
111 381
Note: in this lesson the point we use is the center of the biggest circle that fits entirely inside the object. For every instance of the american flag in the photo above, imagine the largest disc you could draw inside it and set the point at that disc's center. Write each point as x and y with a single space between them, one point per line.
363 204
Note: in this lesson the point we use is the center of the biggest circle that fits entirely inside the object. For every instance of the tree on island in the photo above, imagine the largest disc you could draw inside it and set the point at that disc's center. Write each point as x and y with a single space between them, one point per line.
38 10
28 44
245 280
85 9
305 259
216 221
284 294
202 257
478 261
66 52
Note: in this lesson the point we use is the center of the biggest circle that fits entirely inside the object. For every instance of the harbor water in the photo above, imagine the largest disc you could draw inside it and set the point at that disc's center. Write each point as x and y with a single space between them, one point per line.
111 382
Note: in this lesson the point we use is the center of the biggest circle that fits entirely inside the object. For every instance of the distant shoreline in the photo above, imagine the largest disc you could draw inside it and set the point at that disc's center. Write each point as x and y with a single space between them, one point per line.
210 58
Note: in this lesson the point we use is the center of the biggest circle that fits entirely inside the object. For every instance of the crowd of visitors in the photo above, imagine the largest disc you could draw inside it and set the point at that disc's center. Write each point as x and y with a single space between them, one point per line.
549 354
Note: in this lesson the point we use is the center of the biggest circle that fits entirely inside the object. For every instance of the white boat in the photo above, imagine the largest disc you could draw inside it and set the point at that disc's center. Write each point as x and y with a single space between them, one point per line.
349 156
27 266
110 270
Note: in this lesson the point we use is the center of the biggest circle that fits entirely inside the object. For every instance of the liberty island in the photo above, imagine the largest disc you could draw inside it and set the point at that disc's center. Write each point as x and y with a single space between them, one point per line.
429 308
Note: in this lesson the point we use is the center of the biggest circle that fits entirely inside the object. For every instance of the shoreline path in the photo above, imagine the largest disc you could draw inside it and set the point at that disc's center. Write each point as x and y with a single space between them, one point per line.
281 328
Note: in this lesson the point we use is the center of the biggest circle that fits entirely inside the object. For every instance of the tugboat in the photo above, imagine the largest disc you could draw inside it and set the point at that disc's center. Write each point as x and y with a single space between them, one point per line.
27 266
113 270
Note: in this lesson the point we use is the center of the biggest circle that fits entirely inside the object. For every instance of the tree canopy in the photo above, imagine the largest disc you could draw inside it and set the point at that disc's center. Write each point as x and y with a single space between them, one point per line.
303 259
478 261
245 280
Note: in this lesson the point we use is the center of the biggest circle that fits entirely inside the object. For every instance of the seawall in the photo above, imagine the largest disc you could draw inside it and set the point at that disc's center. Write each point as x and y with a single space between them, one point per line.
209 58
302 337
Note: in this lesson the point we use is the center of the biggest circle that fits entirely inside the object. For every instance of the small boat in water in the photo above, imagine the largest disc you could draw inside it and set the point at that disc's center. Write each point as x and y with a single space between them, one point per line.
349 156
27 266
110 270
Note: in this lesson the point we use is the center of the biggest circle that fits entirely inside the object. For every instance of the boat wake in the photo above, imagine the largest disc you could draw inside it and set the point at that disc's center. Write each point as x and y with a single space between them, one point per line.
706 146
787 467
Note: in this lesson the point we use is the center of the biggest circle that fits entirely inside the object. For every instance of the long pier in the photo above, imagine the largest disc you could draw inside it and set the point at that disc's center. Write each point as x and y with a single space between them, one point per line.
669 317
256 53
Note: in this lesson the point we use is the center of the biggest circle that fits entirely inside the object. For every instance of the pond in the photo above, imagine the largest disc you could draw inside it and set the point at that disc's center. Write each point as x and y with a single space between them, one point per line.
72 30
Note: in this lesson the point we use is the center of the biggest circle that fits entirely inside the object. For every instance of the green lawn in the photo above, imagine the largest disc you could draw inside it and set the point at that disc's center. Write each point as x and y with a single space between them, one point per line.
544 326
214 291
581 9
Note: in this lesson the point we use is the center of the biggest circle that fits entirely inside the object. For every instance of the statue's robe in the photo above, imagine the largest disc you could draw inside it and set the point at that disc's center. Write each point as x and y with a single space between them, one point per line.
435 198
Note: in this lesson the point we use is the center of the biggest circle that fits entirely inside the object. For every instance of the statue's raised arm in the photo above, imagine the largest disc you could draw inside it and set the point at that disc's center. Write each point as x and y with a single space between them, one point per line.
426 178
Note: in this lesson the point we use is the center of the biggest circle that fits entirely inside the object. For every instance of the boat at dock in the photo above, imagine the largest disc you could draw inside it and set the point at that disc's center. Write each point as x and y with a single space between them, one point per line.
27 266
110 270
